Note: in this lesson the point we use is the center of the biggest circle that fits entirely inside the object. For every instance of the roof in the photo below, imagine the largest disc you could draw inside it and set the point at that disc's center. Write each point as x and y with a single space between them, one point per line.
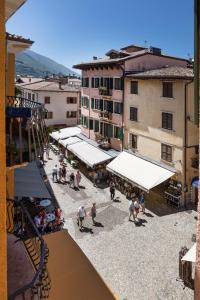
89 154
72 274
28 80
131 168
51 86
18 38
174 72
12 6
114 61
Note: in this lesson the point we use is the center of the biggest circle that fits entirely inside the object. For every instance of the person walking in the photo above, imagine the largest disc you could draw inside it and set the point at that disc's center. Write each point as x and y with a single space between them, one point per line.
78 178
47 152
142 202
131 210
71 180
64 173
93 213
55 173
95 178
80 216
137 207
60 174
112 190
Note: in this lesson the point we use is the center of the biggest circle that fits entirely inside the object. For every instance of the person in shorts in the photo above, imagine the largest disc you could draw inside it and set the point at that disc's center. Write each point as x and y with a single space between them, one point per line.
80 216
131 210
136 207
93 213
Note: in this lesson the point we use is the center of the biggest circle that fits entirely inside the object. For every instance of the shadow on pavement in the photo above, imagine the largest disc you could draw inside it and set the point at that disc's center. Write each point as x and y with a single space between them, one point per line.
98 224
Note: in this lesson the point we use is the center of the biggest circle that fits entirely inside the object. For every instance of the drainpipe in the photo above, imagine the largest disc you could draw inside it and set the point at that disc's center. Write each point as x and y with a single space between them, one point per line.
185 143
196 59
123 98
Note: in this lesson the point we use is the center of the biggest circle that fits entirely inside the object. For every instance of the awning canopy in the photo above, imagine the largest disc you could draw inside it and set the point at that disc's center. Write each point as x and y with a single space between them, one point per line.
72 274
191 254
69 141
65 133
89 154
138 171
29 183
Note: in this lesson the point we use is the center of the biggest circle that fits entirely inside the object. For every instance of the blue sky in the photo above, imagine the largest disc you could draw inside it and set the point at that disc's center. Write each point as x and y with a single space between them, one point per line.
73 31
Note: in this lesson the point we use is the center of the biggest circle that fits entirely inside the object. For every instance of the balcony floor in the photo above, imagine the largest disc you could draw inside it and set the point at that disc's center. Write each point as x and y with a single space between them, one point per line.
20 269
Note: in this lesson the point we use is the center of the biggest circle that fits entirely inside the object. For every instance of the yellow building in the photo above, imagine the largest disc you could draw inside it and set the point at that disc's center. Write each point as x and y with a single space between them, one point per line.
159 122
33 266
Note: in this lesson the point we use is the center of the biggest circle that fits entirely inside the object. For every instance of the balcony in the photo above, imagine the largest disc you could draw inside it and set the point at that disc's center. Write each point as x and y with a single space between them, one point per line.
35 282
26 133
105 115
104 91
195 163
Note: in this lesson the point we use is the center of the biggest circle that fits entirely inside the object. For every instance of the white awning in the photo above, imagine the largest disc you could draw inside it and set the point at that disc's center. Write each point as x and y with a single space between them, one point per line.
29 182
138 171
191 254
69 141
65 133
89 154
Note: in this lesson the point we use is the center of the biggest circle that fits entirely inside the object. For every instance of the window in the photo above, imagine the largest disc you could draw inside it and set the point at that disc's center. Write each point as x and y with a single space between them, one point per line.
167 121
133 114
85 82
85 102
47 100
98 104
71 100
71 114
166 152
133 141
108 106
49 115
96 82
33 97
116 132
118 84
134 87
117 108
168 89
29 96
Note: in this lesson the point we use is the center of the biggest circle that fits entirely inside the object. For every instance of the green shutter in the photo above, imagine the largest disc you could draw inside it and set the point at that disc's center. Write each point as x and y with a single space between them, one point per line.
101 104
91 124
82 100
121 134
92 103
96 126
82 119
110 131
87 102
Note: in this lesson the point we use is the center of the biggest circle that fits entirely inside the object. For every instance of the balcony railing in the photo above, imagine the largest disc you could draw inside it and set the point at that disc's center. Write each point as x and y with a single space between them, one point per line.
18 219
15 101
195 163
103 91
105 115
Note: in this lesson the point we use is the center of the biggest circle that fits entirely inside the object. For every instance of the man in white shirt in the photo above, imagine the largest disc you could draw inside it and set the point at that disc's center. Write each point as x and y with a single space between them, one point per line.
55 173
80 216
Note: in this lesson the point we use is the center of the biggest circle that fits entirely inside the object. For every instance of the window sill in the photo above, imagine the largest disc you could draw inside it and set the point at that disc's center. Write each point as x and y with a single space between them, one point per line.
167 98
168 130
170 163
133 121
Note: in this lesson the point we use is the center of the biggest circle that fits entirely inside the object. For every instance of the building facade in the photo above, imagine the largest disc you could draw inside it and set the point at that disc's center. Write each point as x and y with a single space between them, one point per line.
103 96
159 121
61 101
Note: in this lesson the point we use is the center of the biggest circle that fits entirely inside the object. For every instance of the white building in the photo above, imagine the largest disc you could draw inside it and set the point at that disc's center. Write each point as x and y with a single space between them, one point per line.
61 101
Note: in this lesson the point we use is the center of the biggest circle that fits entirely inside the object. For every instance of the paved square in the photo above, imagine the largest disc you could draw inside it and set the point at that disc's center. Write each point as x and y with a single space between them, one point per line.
137 262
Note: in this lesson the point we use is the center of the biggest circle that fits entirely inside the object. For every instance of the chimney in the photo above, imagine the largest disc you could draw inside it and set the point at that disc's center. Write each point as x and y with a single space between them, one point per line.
60 85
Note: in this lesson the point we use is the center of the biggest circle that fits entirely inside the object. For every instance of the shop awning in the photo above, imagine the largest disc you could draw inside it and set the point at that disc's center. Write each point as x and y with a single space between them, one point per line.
29 182
191 254
72 274
138 171
89 154
65 133
69 141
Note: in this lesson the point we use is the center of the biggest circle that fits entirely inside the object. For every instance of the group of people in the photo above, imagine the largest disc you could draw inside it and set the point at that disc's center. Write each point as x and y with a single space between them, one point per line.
47 221
81 214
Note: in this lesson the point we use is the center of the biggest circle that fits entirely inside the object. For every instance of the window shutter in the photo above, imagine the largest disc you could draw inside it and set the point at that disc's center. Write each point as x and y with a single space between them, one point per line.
110 131
92 82
86 122
101 104
101 80
96 126
111 83
82 119
92 103
110 106
87 102
121 108
82 101
91 123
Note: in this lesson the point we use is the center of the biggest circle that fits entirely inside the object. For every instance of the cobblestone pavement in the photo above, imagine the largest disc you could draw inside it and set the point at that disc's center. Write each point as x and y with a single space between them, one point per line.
137 262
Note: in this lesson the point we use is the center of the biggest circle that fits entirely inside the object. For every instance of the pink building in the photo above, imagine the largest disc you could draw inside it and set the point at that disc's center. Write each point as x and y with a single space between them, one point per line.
102 100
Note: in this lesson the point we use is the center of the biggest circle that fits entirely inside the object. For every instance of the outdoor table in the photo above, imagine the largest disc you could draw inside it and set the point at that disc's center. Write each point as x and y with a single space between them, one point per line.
45 202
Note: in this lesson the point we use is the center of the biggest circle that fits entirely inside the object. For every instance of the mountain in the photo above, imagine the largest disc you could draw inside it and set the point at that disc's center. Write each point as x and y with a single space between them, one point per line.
33 64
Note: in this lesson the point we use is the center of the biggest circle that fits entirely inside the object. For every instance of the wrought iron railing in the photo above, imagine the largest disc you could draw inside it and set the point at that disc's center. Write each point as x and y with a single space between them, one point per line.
15 101
40 285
